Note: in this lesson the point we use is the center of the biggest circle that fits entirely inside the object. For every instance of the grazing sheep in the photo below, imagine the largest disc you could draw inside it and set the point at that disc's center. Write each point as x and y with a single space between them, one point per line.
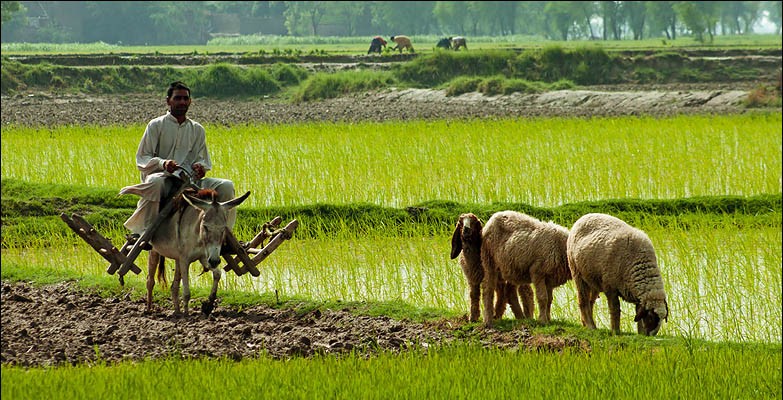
520 249
466 242
376 45
607 255
444 43
457 42
403 42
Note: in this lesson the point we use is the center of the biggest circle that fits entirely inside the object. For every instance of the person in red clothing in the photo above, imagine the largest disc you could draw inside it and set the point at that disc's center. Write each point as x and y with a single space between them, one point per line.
376 44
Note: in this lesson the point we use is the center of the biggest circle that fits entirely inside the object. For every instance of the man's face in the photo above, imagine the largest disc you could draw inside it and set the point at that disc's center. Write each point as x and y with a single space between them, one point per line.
179 102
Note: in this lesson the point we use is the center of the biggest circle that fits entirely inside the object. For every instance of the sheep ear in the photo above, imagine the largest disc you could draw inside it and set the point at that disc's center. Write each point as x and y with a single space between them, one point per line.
456 241
639 313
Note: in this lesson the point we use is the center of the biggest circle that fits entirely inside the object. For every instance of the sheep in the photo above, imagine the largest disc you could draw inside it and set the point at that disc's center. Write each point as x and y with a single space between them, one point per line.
444 43
466 243
520 249
403 42
607 255
457 42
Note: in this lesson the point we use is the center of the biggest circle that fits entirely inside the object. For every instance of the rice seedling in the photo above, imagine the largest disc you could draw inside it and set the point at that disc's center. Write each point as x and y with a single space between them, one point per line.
544 162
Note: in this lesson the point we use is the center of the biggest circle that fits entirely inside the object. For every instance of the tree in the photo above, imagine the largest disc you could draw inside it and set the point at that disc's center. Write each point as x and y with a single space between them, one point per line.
559 19
304 17
406 18
9 8
699 17
662 18
634 12
612 19
451 16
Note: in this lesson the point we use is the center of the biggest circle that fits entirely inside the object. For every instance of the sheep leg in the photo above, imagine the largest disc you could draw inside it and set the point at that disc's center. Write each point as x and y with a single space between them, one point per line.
501 297
613 301
526 295
152 266
509 296
544 300
175 287
586 300
488 287
475 294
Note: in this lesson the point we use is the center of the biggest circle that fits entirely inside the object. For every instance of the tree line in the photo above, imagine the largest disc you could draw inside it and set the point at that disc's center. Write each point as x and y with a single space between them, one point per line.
196 22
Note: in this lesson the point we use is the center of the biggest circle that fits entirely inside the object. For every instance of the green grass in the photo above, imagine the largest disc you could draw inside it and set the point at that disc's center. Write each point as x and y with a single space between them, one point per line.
705 189
674 368
543 161
359 45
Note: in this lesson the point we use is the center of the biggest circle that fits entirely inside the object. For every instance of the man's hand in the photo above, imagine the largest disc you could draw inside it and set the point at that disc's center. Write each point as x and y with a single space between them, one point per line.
198 171
170 166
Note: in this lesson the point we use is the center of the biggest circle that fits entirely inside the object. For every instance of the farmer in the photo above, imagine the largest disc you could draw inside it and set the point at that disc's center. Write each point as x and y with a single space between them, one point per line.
444 44
457 42
170 141
376 44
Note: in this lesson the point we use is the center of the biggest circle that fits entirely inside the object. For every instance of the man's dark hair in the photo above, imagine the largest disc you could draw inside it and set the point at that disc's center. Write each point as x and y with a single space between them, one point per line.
178 85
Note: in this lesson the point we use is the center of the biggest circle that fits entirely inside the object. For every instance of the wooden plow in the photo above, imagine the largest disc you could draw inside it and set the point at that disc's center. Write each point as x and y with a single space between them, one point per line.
240 258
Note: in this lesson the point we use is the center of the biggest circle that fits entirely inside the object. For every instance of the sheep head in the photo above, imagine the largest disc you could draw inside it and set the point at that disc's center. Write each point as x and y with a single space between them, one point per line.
466 232
649 318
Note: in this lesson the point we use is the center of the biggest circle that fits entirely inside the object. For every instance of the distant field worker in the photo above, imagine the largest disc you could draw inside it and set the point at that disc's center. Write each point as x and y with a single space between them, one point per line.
457 42
402 43
444 44
376 45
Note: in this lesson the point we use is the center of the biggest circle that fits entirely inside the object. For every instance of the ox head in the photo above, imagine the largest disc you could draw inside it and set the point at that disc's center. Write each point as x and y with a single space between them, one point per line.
468 230
213 224
648 320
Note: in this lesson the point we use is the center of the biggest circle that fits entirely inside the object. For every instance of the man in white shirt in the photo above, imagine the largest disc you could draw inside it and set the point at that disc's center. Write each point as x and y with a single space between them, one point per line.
170 142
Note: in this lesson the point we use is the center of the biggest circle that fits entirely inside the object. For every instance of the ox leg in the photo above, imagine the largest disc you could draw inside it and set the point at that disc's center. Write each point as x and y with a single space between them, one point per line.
185 287
209 305
175 286
613 301
152 267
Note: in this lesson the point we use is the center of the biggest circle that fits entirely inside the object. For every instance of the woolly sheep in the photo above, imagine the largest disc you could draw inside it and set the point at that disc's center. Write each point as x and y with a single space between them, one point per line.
520 249
403 42
457 42
607 255
466 243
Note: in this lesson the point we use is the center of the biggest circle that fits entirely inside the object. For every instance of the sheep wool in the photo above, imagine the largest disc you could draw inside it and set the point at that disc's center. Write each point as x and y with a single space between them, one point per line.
520 249
466 243
606 255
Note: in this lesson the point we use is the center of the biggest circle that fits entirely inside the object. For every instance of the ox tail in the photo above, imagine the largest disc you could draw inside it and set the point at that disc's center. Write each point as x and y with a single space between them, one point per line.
161 275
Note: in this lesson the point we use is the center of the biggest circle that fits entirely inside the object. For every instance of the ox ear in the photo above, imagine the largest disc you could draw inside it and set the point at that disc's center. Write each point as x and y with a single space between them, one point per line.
196 202
235 202
456 240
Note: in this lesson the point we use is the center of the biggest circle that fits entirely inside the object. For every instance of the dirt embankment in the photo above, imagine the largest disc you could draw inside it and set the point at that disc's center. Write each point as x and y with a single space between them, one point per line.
386 105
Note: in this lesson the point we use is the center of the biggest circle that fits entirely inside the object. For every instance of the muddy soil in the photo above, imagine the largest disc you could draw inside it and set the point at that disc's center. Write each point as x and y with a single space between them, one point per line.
61 324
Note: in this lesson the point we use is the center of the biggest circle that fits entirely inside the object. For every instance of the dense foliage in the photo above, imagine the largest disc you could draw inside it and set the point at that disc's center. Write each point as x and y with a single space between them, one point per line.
197 22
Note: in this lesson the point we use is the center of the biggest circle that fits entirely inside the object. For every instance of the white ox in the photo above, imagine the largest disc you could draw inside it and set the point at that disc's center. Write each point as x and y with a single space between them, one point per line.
193 232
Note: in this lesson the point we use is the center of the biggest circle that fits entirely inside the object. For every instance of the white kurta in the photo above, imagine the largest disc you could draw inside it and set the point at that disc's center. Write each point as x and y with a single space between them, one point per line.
166 139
